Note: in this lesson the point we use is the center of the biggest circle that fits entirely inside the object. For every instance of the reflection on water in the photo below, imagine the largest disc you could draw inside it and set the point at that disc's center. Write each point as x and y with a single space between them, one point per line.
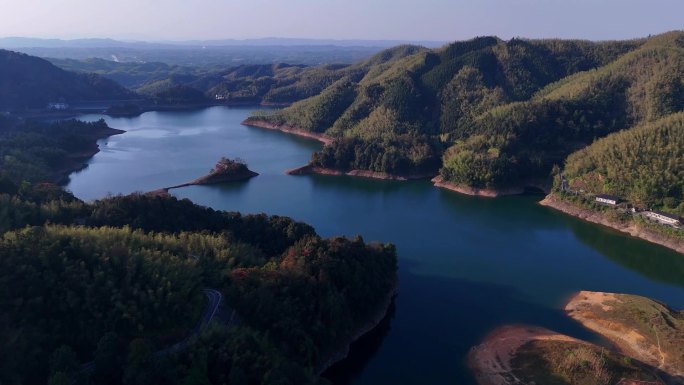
653 261
361 352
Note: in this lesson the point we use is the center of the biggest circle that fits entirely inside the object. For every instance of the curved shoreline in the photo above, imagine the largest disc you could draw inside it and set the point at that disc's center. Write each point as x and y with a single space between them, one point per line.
310 170
630 227
77 161
325 139
342 351
603 313
439 182
490 361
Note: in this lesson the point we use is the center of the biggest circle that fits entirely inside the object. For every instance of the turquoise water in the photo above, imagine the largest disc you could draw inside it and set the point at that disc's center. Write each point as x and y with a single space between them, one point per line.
467 265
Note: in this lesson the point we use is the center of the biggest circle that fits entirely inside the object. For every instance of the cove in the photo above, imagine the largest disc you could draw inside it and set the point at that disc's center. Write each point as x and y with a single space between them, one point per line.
466 264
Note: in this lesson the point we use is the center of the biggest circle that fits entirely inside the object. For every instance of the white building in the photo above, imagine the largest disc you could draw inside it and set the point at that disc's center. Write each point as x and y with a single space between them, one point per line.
608 199
664 218
57 106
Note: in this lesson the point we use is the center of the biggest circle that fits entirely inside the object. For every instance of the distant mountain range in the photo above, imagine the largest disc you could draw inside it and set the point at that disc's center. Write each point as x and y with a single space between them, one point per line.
26 42
207 53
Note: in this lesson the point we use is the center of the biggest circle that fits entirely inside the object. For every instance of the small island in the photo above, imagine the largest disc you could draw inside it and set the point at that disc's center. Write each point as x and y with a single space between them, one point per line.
226 170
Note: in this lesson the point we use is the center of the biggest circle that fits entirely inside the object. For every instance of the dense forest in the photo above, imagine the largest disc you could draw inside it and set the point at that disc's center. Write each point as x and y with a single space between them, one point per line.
37 152
261 83
644 165
28 81
491 113
116 282
118 279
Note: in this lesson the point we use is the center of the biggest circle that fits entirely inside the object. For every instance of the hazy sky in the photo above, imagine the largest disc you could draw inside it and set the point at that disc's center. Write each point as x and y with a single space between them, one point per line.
339 19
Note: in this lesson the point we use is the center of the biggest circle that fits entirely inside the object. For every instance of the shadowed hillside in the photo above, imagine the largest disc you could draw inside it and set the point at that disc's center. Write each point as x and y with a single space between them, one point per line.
27 81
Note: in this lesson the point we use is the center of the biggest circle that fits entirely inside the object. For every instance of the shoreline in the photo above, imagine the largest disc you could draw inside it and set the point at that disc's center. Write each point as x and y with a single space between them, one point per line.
325 139
631 227
309 169
490 361
204 181
341 352
600 312
439 182
77 161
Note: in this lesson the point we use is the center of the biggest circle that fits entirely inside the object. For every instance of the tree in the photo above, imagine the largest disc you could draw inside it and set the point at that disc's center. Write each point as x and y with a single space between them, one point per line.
64 360
108 365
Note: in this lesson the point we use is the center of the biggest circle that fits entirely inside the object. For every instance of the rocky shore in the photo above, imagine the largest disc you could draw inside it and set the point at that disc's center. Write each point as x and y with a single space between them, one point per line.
310 169
630 227
639 327
206 180
326 140
439 181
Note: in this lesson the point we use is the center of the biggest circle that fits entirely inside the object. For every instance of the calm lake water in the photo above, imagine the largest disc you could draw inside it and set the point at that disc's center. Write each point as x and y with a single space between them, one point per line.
467 265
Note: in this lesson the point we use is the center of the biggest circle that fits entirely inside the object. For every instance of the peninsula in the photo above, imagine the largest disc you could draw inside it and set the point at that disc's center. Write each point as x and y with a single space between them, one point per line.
526 355
225 170
640 327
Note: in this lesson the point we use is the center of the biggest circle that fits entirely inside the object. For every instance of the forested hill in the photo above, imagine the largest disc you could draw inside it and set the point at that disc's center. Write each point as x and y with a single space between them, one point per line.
491 113
120 280
644 165
31 82
264 83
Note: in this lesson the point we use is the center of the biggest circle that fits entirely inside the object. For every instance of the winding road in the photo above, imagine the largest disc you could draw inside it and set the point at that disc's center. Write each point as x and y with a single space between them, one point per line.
214 298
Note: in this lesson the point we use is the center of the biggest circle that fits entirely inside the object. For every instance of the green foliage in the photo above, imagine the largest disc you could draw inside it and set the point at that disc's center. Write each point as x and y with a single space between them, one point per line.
56 280
506 111
320 112
131 290
401 154
644 165
180 94
41 152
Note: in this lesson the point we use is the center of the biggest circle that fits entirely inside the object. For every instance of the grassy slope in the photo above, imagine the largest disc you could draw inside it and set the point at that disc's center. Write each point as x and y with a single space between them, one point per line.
569 363
643 328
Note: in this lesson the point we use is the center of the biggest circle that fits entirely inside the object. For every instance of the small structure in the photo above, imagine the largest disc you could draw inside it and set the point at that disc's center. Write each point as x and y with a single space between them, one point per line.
664 218
608 199
221 97
57 106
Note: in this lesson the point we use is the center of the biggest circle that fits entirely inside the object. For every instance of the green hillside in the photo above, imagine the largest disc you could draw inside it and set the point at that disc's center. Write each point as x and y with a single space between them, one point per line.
256 83
644 165
27 81
126 283
491 113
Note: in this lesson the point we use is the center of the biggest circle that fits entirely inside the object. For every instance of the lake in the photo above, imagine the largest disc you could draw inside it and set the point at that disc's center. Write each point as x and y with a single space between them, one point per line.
466 264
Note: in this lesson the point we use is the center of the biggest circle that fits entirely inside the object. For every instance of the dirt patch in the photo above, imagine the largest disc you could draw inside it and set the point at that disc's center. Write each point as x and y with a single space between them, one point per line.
491 360
639 327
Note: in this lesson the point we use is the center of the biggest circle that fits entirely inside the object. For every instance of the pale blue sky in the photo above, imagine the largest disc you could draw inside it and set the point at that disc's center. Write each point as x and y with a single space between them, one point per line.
339 19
